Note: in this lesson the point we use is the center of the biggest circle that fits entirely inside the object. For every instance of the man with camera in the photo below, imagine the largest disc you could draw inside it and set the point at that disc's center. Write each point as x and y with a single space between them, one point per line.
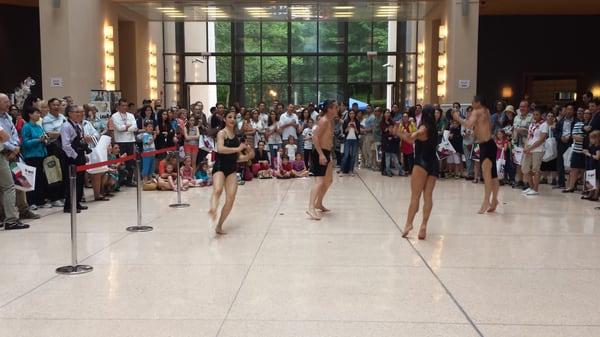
75 145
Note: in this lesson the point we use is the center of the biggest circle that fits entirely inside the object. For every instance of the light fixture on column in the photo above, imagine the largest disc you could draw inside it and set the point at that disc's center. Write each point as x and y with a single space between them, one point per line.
153 71
507 92
442 62
109 58
420 72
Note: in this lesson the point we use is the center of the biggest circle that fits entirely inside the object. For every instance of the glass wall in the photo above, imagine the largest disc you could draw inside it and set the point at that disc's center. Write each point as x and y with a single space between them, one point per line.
297 61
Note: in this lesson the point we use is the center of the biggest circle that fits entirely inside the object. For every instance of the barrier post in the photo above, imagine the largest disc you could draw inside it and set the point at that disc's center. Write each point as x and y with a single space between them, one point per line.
179 204
139 227
74 268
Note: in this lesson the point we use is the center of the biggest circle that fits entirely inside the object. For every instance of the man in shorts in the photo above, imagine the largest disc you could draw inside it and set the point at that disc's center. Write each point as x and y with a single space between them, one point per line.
322 166
533 153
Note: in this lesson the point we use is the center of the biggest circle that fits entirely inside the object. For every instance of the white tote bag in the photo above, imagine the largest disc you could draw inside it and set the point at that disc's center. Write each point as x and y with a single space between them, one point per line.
100 154
567 158
206 143
23 175
517 155
500 164
590 180
550 151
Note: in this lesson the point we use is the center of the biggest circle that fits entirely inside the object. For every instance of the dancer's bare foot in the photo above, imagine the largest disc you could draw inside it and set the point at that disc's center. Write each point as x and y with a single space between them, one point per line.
406 230
323 209
484 208
422 232
212 213
493 206
312 215
219 230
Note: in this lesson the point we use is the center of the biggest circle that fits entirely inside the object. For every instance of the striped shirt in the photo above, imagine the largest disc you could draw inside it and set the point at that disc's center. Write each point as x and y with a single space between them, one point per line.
578 131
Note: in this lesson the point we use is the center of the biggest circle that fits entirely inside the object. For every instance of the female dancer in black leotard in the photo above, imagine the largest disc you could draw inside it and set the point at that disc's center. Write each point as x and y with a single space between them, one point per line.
425 171
230 151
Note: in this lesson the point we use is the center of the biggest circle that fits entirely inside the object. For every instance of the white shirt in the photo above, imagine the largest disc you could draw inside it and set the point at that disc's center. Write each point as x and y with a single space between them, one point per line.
122 133
308 143
291 150
53 124
290 130
535 133
314 115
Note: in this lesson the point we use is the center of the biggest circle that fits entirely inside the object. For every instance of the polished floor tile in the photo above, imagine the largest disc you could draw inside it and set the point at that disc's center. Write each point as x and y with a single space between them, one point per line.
530 270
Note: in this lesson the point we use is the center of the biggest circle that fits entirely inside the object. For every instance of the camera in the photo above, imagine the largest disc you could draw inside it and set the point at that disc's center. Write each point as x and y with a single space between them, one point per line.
83 146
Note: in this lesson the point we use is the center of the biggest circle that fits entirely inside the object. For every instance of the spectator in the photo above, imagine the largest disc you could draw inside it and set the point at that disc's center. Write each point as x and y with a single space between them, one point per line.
148 138
406 148
288 123
548 168
125 127
351 129
91 115
454 160
468 141
165 136
520 129
34 151
96 178
191 133
564 131
577 156
273 134
291 148
187 172
299 167
367 139
502 143
285 170
260 162
257 124
307 134
593 154
391 144
52 123
533 152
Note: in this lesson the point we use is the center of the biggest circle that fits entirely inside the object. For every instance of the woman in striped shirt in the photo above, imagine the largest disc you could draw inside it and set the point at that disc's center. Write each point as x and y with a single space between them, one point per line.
577 156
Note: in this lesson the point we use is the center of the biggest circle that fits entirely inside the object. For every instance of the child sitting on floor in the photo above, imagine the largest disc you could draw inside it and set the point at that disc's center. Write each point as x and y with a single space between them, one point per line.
202 178
299 166
285 171
186 172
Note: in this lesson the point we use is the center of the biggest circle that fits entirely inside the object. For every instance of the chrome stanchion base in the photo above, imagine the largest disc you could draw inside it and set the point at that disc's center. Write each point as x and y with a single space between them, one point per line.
179 205
140 228
74 270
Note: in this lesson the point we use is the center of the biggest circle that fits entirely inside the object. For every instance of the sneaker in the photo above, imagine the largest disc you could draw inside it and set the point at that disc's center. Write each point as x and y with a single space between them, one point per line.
15 226
58 203
27 214
46 205
532 192
33 208
526 191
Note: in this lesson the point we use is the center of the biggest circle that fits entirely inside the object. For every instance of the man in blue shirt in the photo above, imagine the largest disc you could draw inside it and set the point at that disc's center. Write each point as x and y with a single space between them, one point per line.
367 139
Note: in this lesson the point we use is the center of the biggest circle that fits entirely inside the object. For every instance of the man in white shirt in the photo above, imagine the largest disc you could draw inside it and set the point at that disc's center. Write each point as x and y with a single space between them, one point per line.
124 133
263 113
288 123
533 152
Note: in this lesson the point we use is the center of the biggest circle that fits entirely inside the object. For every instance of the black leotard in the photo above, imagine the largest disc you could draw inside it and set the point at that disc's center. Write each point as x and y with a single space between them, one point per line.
426 156
227 163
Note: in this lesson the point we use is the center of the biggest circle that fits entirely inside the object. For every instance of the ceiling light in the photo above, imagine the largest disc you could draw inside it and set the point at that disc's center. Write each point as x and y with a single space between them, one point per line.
388 7
165 8
343 7
251 9
343 13
177 16
171 11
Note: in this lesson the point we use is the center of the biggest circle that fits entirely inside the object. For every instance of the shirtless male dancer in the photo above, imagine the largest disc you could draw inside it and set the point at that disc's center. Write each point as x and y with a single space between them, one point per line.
479 121
322 166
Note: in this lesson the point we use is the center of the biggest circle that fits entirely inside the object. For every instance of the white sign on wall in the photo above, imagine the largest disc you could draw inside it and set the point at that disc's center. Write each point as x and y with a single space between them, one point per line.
464 84
56 82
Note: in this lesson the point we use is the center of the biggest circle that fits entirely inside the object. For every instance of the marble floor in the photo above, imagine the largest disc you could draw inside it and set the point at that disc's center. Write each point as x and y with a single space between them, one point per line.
532 269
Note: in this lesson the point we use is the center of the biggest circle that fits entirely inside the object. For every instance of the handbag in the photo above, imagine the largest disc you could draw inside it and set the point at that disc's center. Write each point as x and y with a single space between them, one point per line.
445 148
500 164
52 169
550 150
517 155
206 143
590 180
567 157
23 175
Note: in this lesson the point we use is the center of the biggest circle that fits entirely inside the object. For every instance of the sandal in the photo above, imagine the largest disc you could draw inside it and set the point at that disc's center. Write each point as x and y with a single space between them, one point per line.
101 198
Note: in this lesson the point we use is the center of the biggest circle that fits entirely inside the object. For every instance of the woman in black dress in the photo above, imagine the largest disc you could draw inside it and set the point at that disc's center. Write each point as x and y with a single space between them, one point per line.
425 171
230 151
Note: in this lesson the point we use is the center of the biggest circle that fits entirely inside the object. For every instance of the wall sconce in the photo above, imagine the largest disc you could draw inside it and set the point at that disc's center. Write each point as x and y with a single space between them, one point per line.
153 72
507 92
420 72
442 62
109 58
595 91
443 32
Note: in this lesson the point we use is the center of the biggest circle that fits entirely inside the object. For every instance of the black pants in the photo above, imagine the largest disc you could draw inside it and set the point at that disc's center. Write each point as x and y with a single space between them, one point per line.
38 195
560 164
78 188
200 158
409 162
307 158
129 149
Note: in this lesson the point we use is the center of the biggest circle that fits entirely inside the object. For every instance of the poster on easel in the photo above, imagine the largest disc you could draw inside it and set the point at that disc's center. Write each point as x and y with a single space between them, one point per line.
105 101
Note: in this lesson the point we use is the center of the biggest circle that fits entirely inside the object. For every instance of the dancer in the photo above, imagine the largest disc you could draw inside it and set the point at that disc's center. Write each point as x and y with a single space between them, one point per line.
479 121
425 170
322 166
230 151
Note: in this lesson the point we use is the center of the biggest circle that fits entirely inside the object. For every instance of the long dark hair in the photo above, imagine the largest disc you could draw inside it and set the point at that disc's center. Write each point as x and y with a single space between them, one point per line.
428 120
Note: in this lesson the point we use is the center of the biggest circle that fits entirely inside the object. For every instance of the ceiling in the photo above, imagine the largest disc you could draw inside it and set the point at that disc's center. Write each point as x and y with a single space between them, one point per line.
244 10
539 7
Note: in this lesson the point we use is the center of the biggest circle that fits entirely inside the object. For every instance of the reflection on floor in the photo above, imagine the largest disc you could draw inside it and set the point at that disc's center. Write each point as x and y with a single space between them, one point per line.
533 269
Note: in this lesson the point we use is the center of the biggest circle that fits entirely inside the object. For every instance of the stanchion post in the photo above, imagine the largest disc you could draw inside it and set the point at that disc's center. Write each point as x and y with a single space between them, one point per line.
179 204
139 227
75 268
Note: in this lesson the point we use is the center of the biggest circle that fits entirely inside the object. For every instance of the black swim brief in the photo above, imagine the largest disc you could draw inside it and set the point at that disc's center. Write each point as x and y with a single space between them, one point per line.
488 150
317 169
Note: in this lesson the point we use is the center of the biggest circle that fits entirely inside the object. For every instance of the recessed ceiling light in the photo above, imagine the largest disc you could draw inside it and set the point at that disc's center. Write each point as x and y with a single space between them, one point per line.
343 7
177 16
343 13
165 8
171 11
388 7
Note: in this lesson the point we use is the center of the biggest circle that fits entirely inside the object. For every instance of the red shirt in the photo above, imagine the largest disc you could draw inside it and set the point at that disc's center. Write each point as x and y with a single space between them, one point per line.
286 166
406 147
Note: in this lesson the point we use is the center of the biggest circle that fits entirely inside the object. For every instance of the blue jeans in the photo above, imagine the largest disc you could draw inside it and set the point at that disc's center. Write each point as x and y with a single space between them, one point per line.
392 158
147 166
350 155
468 160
